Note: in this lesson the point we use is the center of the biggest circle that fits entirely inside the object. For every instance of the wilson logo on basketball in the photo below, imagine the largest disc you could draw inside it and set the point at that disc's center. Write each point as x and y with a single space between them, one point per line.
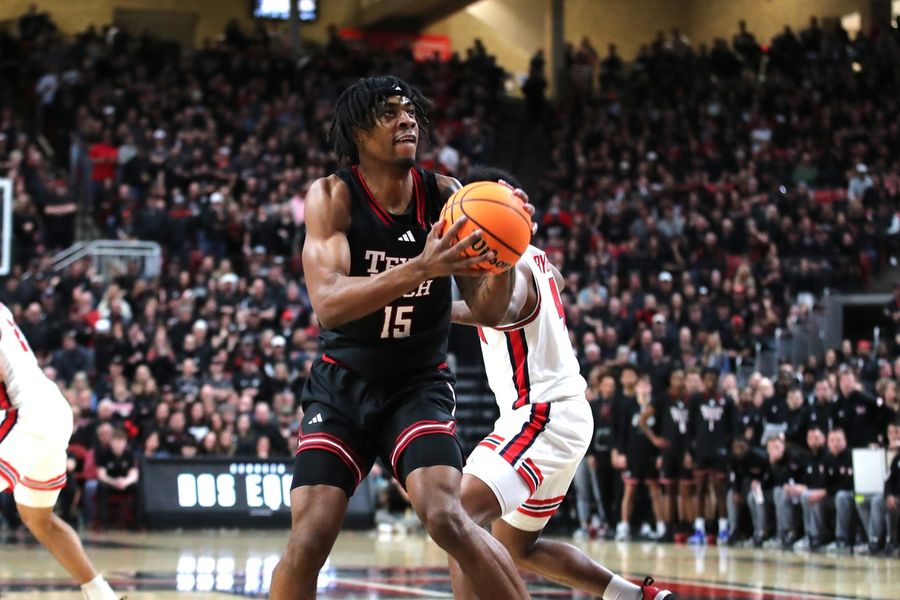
481 248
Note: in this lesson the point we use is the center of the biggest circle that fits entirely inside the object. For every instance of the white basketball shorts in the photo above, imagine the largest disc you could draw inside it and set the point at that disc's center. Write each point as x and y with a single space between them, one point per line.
33 442
530 459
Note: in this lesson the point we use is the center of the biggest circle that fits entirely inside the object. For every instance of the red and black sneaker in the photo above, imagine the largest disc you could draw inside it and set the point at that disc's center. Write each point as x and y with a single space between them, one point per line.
651 592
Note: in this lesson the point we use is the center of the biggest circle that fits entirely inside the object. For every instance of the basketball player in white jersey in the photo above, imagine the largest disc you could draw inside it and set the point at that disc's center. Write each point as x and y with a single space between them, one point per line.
35 427
518 476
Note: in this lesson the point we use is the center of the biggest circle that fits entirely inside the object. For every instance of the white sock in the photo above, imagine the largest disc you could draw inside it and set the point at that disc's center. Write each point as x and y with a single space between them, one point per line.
98 589
723 524
621 589
660 528
700 524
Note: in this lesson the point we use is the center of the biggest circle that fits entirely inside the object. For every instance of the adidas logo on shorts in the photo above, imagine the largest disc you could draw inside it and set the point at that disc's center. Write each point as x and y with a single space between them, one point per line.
316 419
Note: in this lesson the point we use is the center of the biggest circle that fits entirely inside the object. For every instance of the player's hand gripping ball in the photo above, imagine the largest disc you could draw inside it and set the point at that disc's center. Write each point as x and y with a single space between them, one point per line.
494 209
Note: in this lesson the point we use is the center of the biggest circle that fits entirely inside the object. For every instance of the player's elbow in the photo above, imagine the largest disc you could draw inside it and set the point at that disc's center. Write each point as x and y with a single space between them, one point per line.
489 316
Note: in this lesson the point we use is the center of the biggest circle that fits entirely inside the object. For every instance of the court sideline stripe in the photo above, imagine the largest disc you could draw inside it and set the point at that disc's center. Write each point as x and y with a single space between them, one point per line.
747 588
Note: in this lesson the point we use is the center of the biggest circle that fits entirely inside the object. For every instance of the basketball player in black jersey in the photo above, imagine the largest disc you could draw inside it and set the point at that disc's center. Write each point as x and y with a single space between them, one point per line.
377 263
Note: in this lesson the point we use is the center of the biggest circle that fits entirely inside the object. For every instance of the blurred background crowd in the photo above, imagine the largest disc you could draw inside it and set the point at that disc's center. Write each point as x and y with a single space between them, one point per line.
700 201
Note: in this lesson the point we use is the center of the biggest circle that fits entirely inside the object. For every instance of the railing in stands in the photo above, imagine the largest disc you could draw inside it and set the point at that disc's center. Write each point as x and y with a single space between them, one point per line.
112 257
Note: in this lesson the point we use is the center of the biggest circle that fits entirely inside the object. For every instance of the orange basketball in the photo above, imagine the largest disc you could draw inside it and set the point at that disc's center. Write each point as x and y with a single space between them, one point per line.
505 224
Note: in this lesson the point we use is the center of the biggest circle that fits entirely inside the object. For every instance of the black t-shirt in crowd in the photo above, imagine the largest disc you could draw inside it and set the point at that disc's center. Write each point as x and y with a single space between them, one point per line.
815 471
840 472
752 466
115 465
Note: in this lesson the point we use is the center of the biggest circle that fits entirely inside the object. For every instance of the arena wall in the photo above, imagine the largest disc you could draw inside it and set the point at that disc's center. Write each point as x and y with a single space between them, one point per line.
512 30
710 19
73 16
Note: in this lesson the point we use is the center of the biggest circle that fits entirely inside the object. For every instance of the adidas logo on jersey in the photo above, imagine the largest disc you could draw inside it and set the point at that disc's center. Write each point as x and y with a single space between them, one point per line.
316 419
406 237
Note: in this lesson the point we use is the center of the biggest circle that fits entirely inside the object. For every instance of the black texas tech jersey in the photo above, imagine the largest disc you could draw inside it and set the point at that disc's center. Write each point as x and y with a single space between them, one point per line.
410 333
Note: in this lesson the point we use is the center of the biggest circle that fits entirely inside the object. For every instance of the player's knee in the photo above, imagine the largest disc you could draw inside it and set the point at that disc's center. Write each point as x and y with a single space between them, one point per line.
307 548
444 524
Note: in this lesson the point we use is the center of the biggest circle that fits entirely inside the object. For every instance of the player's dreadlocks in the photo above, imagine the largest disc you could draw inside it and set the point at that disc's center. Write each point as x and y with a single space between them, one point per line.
356 109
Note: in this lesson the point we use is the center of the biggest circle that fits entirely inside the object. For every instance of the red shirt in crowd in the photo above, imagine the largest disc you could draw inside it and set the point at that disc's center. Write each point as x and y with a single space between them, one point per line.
104 160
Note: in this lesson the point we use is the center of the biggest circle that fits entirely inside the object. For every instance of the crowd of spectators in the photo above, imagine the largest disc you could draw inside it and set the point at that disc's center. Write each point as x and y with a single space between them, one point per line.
748 177
697 201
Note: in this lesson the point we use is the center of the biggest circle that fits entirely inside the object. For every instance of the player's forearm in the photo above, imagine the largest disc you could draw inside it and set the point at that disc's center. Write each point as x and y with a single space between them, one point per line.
350 298
489 298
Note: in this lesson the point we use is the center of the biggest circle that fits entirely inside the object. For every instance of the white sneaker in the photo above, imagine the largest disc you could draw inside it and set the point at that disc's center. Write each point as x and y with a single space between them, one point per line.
801 545
623 532
646 531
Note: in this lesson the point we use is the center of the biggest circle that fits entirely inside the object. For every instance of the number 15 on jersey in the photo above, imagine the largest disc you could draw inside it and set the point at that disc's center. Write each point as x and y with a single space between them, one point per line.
397 322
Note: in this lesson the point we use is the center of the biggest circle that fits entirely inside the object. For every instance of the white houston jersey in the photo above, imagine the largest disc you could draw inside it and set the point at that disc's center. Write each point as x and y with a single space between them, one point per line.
19 368
532 361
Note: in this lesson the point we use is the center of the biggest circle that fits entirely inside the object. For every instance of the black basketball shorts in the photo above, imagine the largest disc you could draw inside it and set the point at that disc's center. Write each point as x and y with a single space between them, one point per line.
673 469
406 421
711 464
641 468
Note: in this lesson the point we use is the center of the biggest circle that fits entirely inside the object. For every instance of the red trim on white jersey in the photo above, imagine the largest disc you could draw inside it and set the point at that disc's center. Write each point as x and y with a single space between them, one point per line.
532 361
522 441
491 442
530 474
541 508
517 346
8 422
330 443
5 402
57 483
9 473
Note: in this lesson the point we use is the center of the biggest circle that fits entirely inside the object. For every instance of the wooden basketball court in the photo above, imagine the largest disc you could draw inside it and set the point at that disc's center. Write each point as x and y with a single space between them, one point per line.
221 564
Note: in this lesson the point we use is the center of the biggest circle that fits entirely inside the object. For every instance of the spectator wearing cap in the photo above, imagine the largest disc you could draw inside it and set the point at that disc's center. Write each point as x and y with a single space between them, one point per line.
274 354
214 225
860 181
664 288
227 296
190 447
105 346
249 375
189 349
